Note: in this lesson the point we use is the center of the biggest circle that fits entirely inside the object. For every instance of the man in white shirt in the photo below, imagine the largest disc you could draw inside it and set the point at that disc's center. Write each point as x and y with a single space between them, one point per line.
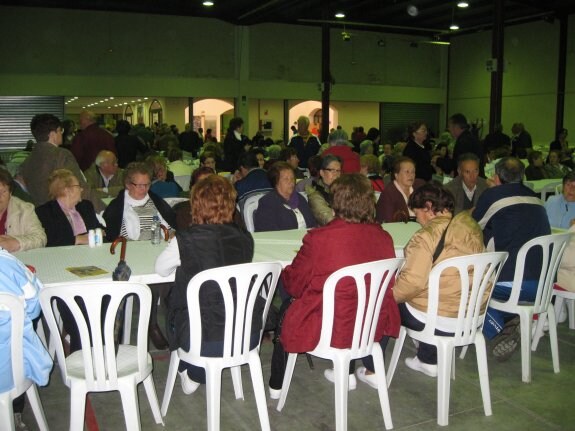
468 185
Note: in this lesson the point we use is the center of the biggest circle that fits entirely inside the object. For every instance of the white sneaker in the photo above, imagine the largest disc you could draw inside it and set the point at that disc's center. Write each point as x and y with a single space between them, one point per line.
416 365
275 393
188 385
368 379
328 374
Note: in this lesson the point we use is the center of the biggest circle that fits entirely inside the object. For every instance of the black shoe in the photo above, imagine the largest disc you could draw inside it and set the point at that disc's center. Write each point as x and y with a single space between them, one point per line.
158 339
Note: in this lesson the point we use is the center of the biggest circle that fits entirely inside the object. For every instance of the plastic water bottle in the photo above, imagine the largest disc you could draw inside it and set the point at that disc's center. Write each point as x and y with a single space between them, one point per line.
156 230
98 239
91 238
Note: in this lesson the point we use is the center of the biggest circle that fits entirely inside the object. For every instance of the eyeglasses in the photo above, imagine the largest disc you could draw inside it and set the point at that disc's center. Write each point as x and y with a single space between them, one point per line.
76 185
335 171
141 186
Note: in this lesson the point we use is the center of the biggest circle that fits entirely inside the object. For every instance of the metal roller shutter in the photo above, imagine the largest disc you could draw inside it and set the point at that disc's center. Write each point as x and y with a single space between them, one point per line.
397 116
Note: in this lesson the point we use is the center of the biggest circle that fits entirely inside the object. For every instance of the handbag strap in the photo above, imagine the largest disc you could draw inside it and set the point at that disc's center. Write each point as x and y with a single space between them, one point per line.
440 244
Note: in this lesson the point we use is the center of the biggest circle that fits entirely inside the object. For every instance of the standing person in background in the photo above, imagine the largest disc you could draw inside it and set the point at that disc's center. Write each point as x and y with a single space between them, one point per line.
374 136
18 280
91 140
69 133
521 139
496 139
306 144
417 151
128 146
465 141
190 141
46 157
235 143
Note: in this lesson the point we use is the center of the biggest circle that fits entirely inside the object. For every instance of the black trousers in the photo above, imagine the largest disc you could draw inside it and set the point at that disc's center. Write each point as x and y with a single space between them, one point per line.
426 353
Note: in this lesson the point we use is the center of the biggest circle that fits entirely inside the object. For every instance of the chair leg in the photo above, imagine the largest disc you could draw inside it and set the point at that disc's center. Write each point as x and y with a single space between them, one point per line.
259 390
213 394
6 411
379 364
395 355
553 338
36 404
571 313
526 319
153 399
464 351
444 359
237 381
287 380
170 381
482 369
341 373
129 393
559 304
77 407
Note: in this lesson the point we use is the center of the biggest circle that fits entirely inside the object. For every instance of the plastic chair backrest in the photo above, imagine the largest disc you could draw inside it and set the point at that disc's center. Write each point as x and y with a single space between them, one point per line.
183 181
15 306
549 188
100 369
240 286
477 273
552 247
248 207
371 279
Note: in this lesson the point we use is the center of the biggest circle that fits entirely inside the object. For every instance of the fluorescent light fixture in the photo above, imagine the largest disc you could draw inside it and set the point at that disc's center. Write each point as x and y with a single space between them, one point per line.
339 15
208 3
462 4
439 42
453 27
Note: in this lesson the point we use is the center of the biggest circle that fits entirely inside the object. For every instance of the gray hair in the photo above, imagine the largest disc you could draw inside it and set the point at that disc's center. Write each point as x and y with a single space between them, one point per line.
510 170
338 137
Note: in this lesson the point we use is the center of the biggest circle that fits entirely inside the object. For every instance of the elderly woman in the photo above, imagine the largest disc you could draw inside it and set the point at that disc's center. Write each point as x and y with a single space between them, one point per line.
20 229
355 231
371 168
211 241
163 183
319 191
130 214
66 218
392 203
283 208
441 237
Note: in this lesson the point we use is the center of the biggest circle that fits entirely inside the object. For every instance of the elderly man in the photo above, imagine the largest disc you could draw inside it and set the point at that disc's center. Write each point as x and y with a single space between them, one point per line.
341 147
561 208
90 141
306 144
104 177
250 177
510 214
46 157
468 185
465 142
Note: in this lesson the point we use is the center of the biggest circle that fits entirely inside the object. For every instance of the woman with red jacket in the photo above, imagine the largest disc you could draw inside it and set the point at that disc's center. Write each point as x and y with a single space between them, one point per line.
351 238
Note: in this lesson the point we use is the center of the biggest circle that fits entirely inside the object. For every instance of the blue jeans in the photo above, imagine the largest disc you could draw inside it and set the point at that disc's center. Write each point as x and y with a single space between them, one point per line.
495 319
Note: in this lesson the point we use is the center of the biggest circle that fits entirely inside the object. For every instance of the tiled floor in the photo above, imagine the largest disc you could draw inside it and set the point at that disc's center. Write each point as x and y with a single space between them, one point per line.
545 404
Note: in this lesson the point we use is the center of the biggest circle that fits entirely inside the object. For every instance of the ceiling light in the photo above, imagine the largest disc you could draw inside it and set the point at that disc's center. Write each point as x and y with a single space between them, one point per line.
462 4
111 98
208 3
339 15
145 98
453 27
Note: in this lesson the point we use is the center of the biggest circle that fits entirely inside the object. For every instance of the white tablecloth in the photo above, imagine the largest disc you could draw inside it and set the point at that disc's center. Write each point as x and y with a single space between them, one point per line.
51 263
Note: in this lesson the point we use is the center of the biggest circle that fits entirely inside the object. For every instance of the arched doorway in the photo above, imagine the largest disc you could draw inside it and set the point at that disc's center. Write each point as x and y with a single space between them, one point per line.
209 114
312 110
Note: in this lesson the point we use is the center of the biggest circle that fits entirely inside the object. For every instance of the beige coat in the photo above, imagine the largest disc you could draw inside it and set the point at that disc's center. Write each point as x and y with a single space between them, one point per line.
566 272
23 225
463 237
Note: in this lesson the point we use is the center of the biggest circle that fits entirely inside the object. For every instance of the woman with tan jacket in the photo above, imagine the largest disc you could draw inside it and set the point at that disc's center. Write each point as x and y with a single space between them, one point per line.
442 236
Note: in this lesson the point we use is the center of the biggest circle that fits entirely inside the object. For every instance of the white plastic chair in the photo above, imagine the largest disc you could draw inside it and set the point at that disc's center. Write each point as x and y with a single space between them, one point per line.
15 306
251 280
381 273
183 181
552 247
249 206
549 188
477 272
567 297
100 368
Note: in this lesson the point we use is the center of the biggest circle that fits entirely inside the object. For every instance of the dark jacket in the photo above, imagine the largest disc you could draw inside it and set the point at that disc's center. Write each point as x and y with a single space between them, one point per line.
255 180
58 229
305 148
422 159
468 143
233 148
115 213
391 206
204 247
274 213
128 147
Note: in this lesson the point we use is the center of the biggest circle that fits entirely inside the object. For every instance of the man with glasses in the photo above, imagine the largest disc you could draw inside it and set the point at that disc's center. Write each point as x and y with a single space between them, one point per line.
46 157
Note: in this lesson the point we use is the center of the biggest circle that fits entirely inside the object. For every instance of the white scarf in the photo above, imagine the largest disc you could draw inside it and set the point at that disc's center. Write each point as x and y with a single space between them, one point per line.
131 219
